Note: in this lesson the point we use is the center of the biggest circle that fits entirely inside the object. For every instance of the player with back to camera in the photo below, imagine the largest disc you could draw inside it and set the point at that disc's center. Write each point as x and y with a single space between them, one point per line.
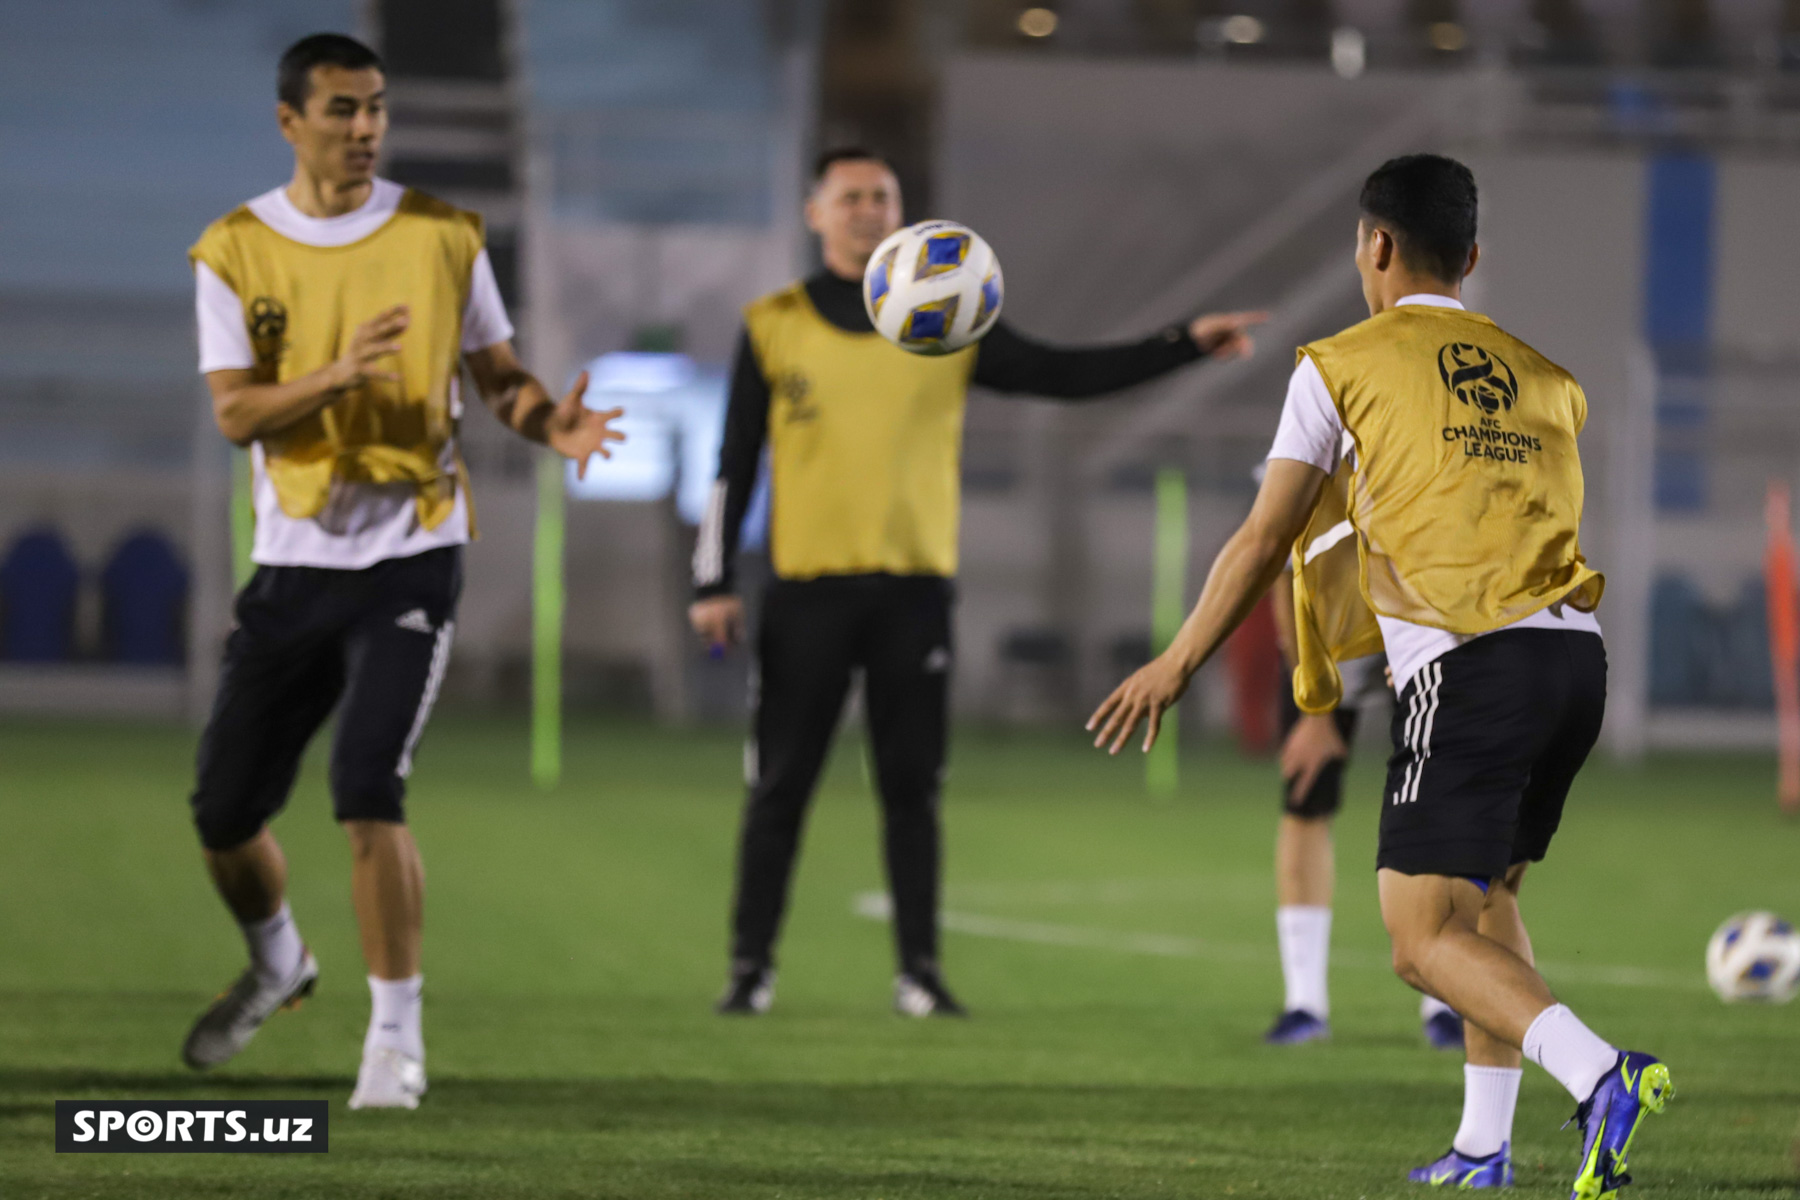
1466 500
865 441
335 314
1315 749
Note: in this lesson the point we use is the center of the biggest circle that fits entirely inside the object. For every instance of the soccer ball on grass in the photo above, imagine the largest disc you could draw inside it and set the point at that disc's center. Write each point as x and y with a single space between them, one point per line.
1754 956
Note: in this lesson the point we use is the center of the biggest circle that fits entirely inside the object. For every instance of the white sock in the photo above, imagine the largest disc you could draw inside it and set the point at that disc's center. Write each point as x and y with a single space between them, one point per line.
275 946
1304 931
1558 1042
1490 1094
395 1017
1431 1006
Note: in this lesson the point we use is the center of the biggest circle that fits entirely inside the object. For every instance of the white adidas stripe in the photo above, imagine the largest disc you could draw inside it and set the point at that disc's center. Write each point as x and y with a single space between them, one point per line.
1427 709
1415 735
1437 685
440 658
1413 708
1431 679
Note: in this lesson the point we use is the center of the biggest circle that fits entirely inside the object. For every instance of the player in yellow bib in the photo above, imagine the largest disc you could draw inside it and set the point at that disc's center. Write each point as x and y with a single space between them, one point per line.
336 314
1465 498
865 479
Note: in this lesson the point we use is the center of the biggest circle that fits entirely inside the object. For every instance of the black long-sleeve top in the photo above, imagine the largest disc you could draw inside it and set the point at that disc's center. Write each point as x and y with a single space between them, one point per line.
1006 361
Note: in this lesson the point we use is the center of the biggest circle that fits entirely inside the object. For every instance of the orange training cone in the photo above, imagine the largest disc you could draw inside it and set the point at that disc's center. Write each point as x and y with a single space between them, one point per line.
1784 641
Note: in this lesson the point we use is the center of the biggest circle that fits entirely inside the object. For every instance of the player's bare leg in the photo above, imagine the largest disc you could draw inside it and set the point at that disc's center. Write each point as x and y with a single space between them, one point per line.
1501 922
1481 1153
1305 877
1446 942
252 880
1305 864
1434 924
387 888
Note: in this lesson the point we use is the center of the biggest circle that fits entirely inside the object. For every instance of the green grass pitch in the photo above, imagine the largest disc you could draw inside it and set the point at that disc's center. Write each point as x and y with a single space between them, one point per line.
1118 956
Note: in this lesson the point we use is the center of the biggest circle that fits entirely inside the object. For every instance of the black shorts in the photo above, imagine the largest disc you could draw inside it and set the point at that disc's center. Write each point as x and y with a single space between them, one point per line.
1487 740
1326 795
305 638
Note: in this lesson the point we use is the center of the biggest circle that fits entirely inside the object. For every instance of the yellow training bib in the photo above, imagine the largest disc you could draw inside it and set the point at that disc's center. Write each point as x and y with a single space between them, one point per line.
303 303
865 445
1332 621
1467 491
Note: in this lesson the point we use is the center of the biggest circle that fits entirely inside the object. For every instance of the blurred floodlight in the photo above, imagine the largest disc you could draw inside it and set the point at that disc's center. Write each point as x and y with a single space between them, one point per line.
1037 22
1349 51
640 372
1242 30
1448 36
674 420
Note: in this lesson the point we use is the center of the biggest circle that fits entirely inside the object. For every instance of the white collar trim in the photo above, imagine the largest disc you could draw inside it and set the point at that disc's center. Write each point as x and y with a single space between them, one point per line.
1429 300
274 209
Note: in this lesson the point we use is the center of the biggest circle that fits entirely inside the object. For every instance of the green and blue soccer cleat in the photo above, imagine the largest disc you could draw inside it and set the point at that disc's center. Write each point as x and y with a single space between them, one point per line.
1296 1027
1456 1170
1444 1031
1637 1086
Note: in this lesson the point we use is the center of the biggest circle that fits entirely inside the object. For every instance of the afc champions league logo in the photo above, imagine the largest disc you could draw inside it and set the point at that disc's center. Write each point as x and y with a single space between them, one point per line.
1477 377
795 389
268 327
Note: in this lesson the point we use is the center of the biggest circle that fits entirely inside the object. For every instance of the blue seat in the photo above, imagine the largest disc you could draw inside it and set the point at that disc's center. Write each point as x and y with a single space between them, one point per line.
143 596
38 580
1749 677
1677 632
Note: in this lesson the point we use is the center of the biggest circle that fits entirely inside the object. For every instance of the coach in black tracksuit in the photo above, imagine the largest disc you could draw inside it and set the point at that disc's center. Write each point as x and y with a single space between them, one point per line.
865 444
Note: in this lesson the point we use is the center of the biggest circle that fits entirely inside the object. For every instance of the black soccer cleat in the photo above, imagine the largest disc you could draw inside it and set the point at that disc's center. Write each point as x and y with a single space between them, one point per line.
750 991
920 992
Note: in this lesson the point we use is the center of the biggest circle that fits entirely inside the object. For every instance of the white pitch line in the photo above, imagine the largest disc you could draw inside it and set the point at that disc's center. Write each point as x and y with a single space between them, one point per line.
875 906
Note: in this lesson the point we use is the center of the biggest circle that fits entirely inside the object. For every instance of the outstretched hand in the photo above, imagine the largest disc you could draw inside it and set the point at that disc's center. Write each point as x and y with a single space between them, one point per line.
1225 336
1151 691
578 432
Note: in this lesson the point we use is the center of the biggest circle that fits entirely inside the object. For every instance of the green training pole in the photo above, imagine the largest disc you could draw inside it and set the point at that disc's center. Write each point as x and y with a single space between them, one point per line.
547 625
1168 591
243 519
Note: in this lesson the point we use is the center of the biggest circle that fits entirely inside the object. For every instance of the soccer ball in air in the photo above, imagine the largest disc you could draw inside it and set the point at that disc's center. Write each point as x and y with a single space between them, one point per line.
1754 956
933 288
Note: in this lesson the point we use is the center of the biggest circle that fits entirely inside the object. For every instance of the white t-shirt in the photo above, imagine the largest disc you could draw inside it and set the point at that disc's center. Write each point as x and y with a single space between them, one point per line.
362 524
1312 432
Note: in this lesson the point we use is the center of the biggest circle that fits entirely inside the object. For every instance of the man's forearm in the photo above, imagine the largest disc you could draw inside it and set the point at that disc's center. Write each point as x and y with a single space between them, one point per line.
522 404
1246 568
249 411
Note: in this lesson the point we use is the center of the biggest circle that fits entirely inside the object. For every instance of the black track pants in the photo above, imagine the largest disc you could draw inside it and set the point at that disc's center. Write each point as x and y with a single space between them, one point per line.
813 634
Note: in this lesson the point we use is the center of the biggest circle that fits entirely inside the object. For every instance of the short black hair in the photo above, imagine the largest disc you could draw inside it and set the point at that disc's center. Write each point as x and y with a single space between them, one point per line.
831 158
1428 203
293 78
